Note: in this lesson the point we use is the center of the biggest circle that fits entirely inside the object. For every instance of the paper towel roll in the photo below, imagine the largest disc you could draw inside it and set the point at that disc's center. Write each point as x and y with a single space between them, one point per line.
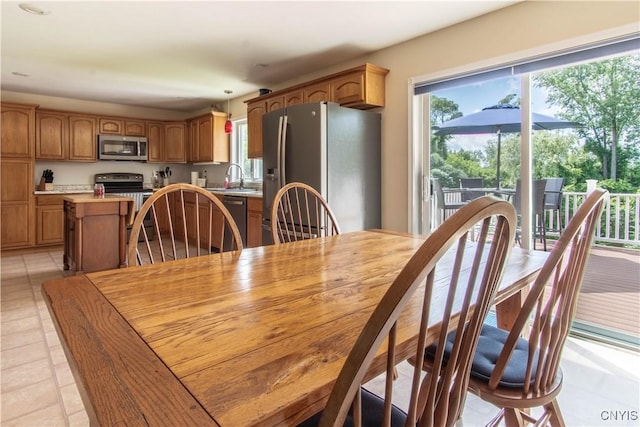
194 178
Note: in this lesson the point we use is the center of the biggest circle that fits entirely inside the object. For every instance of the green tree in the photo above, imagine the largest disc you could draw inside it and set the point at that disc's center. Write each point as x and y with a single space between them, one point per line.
442 110
604 97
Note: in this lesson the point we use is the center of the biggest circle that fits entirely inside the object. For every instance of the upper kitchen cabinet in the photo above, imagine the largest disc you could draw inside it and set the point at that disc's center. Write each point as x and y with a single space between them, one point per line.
52 138
108 125
293 98
82 138
360 87
209 142
18 130
275 103
134 128
174 142
62 136
119 126
155 142
255 111
318 92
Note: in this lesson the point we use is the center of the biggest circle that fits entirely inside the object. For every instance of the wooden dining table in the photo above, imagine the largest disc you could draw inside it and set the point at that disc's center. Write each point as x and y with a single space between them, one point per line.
237 339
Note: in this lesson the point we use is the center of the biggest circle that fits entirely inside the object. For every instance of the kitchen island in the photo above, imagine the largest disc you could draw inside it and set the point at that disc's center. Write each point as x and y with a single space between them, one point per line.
95 232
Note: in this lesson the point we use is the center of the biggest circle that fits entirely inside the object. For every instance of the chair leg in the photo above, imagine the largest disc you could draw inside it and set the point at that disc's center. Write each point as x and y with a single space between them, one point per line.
513 417
556 419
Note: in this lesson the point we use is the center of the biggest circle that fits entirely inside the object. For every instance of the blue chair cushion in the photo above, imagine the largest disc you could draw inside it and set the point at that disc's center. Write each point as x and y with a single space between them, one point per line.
372 407
489 347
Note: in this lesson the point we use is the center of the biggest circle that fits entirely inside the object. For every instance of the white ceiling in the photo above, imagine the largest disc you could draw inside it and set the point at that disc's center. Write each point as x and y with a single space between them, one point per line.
183 55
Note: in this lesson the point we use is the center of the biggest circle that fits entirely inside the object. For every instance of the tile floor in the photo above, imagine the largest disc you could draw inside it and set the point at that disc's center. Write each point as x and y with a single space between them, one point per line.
601 383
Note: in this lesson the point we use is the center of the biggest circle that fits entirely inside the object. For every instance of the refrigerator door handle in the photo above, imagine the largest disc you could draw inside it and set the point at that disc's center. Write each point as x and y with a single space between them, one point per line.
279 160
283 153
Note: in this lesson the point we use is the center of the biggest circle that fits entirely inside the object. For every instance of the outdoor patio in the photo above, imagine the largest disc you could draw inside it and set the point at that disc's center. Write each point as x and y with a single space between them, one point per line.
610 295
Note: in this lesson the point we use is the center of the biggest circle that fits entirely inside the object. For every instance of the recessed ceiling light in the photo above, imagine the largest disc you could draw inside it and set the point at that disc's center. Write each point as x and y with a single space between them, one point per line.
33 9
16 73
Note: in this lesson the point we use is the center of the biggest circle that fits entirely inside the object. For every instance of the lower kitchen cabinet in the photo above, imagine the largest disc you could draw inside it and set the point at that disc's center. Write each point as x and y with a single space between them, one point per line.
16 203
254 222
49 219
95 232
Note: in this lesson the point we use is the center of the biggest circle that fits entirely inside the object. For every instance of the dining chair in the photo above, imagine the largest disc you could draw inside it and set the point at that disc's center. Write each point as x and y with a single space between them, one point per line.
299 212
538 192
181 221
553 200
443 205
459 304
516 373
468 195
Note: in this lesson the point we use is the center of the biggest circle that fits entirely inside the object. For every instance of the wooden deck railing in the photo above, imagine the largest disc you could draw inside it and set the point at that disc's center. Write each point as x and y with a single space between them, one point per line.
620 221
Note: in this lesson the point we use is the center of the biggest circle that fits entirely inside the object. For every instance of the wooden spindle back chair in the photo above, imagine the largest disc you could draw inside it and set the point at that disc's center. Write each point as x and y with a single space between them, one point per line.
182 221
527 372
417 291
299 212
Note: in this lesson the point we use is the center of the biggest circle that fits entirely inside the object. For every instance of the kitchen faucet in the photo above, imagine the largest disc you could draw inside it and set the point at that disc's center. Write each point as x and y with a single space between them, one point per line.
241 173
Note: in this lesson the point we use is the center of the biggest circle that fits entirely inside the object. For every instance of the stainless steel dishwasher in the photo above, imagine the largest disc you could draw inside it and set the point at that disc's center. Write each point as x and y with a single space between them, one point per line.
237 207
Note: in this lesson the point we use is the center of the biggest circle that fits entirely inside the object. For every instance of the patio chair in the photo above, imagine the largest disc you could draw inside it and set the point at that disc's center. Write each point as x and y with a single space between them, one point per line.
186 221
553 200
539 229
471 183
444 207
439 400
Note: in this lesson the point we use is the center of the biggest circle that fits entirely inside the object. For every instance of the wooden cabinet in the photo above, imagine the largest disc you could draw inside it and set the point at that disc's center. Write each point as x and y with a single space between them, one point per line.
318 92
209 142
293 98
360 87
16 205
82 138
255 111
155 142
121 126
52 138
174 142
95 232
254 222
275 103
49 219
134 128
17 148
18 128
61 136
192 140
110 125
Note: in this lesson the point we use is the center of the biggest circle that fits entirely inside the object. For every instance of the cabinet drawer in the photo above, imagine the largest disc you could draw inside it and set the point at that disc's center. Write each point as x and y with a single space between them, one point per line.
50 199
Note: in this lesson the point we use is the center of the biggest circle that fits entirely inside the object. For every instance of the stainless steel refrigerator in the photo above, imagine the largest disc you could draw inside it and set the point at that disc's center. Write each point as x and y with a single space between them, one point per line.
334 149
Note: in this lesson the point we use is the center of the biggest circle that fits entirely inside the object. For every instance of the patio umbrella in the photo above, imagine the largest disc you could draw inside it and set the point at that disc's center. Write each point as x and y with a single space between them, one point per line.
498 119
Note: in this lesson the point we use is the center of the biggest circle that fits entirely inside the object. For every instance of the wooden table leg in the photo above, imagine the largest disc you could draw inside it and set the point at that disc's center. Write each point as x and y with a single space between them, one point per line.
507 311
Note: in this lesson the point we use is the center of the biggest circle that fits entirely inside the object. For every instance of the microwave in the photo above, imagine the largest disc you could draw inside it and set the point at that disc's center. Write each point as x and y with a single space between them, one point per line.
117 147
